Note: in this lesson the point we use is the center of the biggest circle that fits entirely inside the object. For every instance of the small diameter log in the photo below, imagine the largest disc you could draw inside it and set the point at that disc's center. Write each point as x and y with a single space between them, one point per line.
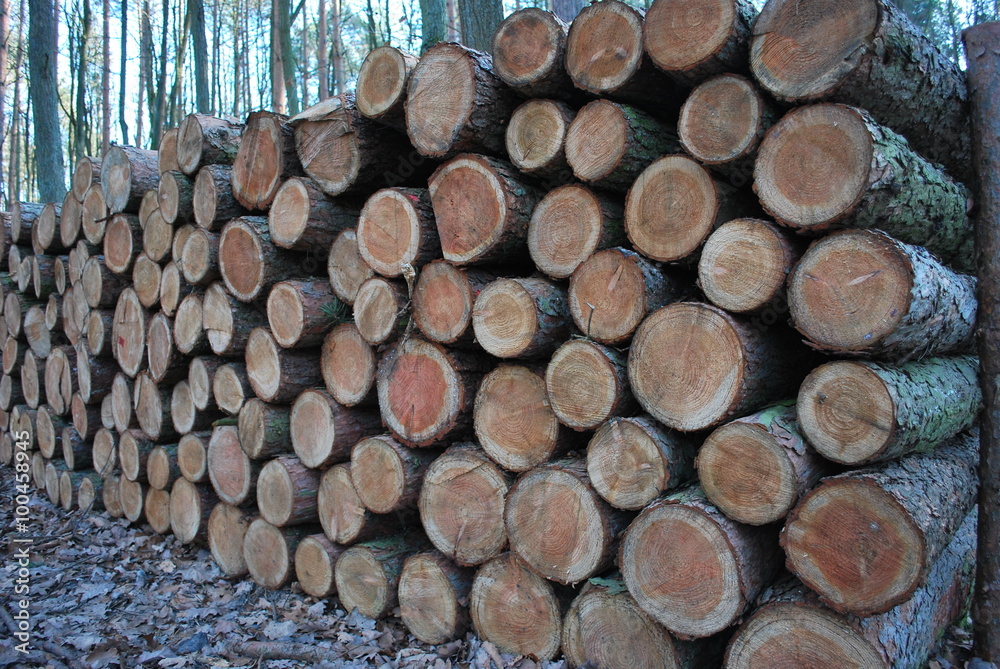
183 413
200 257
22 219
101 286
569 225
872 56
205 140
200 376
152 408
10 392
86 417
536 138
323 432
755 469
387 475
32 378
612 291
455 103
167 151
681 529
867 539
180 238
587 384
86 173
16 305
462 505
343 151
609 144
189 331
228 322
529 49
45 233
173 288
60 275
94 216
97 329
231 387
266 157
111 496
872 179
287 491
150 203
192 456
279 375
861 412
156 508
722 366
122 389
315 560
249 263
157 237
105 455
904 304
304 219
396 228
38 466
482 208
122 242
53 313
133 455
381 310
146 278
90 495
175 197
367 574
345 266
37 333
514 420
132 497
443 300
269 553
442 410
214 203
43 277
227 526
233 475
126 174
264 429
515 609
433 597
744 266
348 365
23 275
129 332
301 312
166 365
521 318
191 506
344 518
381 87
49 427
70 484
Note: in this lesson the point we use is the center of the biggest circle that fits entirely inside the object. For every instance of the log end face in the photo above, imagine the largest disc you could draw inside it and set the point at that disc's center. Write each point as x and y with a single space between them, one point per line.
348 364
597 140
265 551
504 319
428 602
625 465
607 296
314 567
346 268
513 419
420 393
116 179
188 324
289 215
604 46
205 199
565 229
341 512
582 384
743 265
389 232
362 582
679 34
185 511
536 134
313 431
285 314
263 364
437 112
376 310
275 493
527 46
470 208
721 119
229 467
241 261
377 472
442 302
189 144
227 526
381 81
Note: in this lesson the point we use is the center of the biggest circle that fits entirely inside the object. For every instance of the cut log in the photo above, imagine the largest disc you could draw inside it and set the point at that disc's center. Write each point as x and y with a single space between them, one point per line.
612 291
166 153
205 140
69 489
233 475
397 228
133 454
43 276
266 157
387 475
40 339
536 138
609 144
286 492
192 456
200 257
173 288
904 304
189 330
122 242
381 310
264 429
529 48
32 377
10 392
59 273
722 367
106 456
94 376
175 197
462 505
86 417
16 305
45 232
587 384
156 509
86 173
184 415
53 313
315 560
736 563
301 312
166 365
214 202
70 223
53 472
228 322
515 609
121 403
521 318
90 496
434 596
323 432
345 266
866 540
49 427
861 412
200 376
344 518
227 528
278 375
348 365
22 219
60 389
381 87
13 355
181 236
157 237
191 507
126 174
367 574
94 216
867 53
443 300
569 225
249 263
77 309
129 333
101 286
152 408
132 497
269 553
304 219
97 329
456 103
231 387
150 203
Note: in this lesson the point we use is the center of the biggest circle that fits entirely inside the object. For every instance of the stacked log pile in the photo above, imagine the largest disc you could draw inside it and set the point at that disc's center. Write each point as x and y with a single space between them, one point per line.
501 342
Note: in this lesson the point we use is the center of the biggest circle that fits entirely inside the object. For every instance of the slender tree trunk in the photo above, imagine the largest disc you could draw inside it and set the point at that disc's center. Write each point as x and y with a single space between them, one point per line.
480 19
304 45
567 9
453 21
42 49
321 61
372 30
279 99
106 77
4 43
145 66
216 101
339 71
123 68
14 173
81 129
176 91
156 117
196 12
434 19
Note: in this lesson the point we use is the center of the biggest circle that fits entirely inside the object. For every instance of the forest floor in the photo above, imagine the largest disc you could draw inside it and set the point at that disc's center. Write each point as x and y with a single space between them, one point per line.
104 593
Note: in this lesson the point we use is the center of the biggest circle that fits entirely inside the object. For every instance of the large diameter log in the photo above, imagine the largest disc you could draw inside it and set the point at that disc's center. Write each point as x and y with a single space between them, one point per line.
278 375
122 242
214 203
611 292
266 157
609 144
482 209
231 387
867 539
94 217
381 87
367 575
126 174
521 318
872 180
228 322
344 519
904 304
387 475
233 475
166 153
264 429
191 507
286 492
736 562
227 526
455 102
433 597
529 49
315 560
722 366
192 456
587 384
397 228
249 262
536 138
516 609
269 553
304 219
345 266
462 505
756 468
175 196
300 312
861 412
129 332
569 225
348 364
866 53
323 432
443 301
381 310
442 410
204 140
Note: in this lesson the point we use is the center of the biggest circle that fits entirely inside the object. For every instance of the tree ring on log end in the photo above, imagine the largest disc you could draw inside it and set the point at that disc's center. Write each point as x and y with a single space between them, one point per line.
437 111
582 384
285 313
535 134
565 229
384 65
348 365
680 34
523 49
341 513
428 602
377 472
596 140
419 391
442 302
229 467
292 200
742 265
470 208
625 464
513 418
389 232
607 295
265 372
362 582
604 46
241 260
721 119
226 531
504 318
265 551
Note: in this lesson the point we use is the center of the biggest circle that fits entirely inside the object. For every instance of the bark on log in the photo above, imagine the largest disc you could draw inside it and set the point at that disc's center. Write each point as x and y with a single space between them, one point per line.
381 87
122 242
228 322
101 286
304 219
126 174
227 528
287 491
264 429
323 432
344 518
266 157
381 310
367 574
192 456
397 228
443 301
521 318
434 596
279 375
387 475
231 387
348 365
22 219
569 225
204 140
249 263
315 560
214 202
300 312
233 474
345 266
269 553
529 49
